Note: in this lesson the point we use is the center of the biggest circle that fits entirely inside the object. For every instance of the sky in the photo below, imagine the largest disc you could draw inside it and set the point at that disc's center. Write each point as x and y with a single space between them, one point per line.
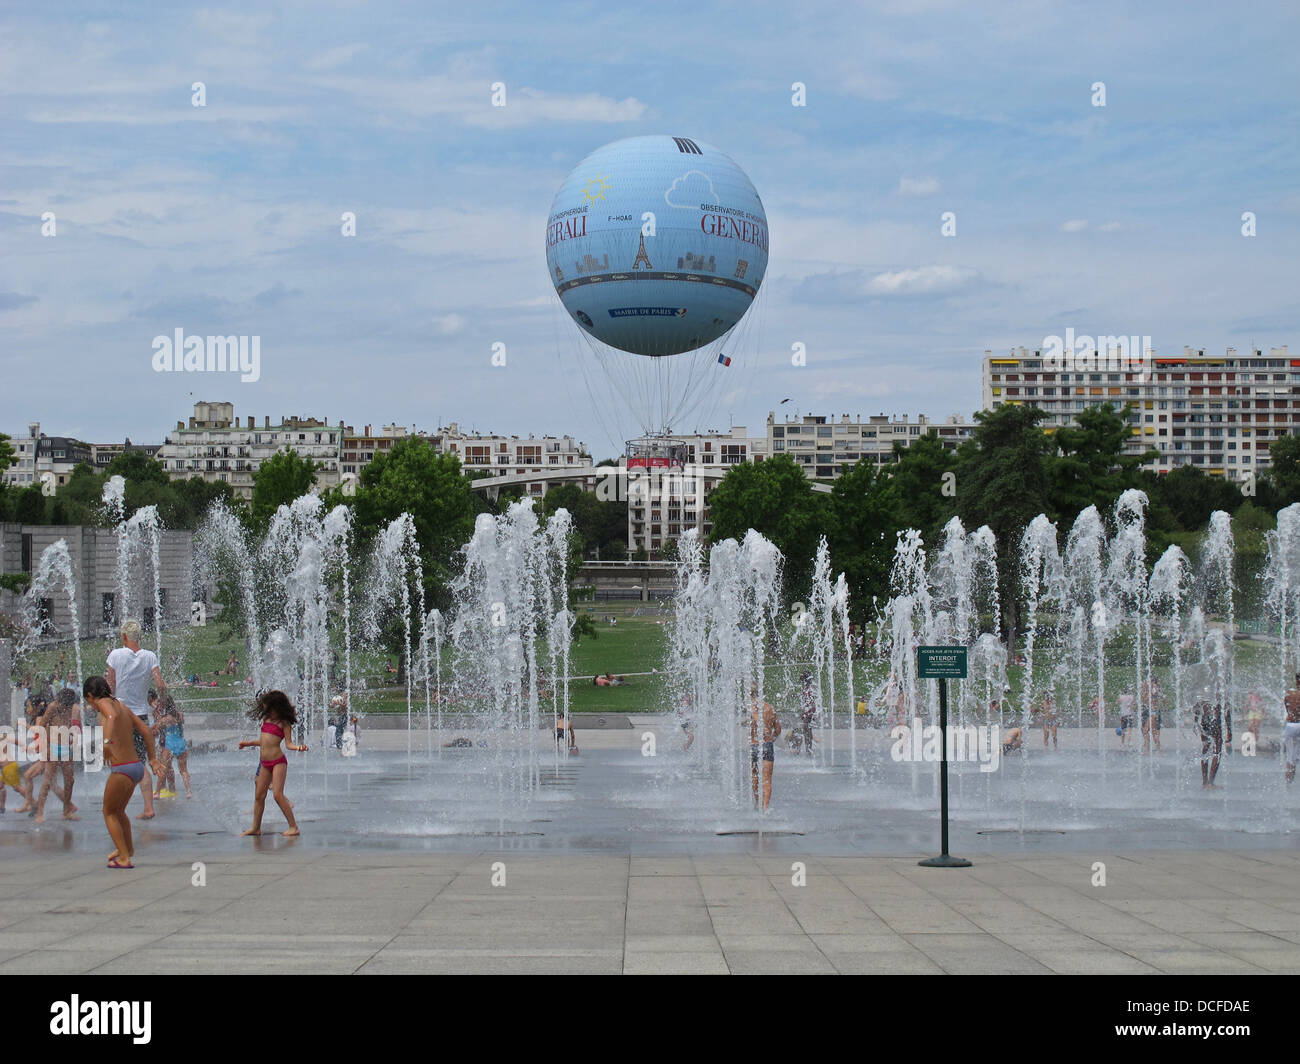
1122 219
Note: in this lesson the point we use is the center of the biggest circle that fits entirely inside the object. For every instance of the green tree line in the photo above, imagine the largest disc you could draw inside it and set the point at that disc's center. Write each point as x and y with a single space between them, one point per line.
1008 472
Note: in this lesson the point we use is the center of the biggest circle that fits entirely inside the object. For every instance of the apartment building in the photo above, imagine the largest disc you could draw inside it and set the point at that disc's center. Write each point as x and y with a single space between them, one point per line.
214 445
40 457
824 446
690 467
102 454
1216 412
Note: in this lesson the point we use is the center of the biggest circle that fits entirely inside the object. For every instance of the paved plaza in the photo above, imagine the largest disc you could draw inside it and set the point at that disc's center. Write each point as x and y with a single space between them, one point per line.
622 863
281 907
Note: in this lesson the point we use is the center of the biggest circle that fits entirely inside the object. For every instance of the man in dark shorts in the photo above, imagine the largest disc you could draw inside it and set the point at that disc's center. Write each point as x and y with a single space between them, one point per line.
1291 729
1210 723
807 713
1151 719
771 729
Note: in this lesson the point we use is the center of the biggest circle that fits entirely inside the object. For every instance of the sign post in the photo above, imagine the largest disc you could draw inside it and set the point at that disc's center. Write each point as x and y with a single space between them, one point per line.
942 664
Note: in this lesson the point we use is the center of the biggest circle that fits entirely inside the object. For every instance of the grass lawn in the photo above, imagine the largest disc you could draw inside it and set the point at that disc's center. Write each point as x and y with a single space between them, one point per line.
632 648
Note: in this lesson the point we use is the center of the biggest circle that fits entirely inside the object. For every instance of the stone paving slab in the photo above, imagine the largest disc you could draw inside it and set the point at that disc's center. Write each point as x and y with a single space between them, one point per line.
309 911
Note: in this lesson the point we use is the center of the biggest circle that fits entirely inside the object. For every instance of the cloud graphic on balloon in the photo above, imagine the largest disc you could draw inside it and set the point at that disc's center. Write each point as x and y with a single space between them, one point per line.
692 191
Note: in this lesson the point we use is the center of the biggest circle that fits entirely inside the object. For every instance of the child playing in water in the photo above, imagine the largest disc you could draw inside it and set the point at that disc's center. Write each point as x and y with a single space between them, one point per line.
169 726
121 726
11 776
1254 712
1291 729
277 715
57 721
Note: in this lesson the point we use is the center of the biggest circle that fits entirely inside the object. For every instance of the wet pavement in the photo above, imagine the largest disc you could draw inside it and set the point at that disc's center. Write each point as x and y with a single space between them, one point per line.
619 861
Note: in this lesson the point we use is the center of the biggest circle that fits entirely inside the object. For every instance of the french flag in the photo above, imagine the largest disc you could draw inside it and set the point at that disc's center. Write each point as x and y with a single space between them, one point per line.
724 360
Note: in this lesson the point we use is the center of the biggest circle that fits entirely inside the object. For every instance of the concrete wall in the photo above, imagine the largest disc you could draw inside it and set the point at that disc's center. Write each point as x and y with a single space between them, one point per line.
93 552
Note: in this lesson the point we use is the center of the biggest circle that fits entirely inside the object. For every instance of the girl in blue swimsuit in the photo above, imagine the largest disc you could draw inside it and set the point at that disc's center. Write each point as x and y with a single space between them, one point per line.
174 747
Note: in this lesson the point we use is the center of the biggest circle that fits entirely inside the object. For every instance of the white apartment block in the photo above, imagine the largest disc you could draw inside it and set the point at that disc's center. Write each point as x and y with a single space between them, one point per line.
673 480
478 452
1216 412
23 472
38 455
361 448
216 447
821 445
824 446
512 454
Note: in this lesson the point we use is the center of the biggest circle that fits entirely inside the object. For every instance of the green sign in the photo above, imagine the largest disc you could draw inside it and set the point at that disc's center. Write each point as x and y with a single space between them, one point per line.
941 663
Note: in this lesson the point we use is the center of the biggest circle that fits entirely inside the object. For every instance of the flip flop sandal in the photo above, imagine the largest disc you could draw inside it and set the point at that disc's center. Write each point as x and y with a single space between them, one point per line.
115 863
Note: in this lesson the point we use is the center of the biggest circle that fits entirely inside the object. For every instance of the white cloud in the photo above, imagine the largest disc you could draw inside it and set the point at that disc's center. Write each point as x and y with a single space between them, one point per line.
1075 225
1112 227
128 113
449 324
918 186
920 280
469 98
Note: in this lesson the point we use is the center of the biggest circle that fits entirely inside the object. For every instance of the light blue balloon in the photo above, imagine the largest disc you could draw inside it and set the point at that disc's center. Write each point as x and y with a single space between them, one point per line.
657 245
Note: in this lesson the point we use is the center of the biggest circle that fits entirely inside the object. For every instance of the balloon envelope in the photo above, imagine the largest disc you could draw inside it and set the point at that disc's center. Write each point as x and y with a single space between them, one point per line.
657 245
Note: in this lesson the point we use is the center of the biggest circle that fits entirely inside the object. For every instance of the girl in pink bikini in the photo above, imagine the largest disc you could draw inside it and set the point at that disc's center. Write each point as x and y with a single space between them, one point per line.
277 715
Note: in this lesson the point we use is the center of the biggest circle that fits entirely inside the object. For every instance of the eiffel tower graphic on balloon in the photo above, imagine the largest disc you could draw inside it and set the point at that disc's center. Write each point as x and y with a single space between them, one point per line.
641 256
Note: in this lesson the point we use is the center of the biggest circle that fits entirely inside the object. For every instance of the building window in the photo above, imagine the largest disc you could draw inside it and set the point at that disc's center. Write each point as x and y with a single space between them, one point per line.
108 608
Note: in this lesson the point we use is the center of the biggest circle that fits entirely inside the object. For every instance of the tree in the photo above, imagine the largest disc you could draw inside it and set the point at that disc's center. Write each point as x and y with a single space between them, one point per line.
193 498
1191 495
414 478
136 465
7 458
583 625
82 495
18 583
861 533
1090 466
279 480
918 482
30 509
776 499
1001 483
1250 525
1283 476
597 521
